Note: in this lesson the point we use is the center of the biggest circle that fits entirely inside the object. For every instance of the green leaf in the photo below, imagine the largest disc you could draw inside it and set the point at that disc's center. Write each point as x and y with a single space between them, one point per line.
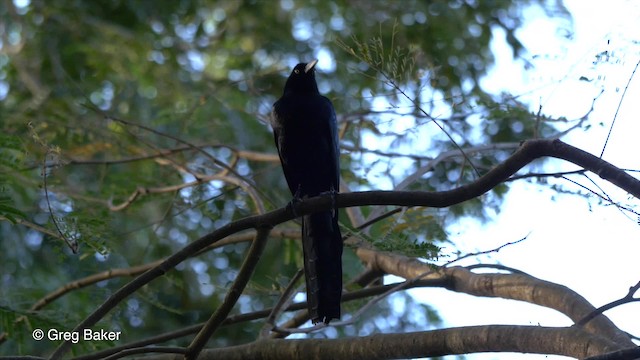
8 210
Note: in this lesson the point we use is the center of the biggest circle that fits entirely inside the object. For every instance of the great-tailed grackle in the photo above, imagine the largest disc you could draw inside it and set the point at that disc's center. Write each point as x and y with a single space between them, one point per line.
306 135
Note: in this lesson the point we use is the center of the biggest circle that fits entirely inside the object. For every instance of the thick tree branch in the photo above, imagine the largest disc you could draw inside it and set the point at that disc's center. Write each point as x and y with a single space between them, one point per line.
625 354
463 340
508 286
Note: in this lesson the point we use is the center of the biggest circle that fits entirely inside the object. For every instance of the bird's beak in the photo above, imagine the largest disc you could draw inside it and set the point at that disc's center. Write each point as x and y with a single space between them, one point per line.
310 65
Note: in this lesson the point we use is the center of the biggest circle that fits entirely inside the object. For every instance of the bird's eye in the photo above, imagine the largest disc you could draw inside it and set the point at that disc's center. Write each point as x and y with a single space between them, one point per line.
297 71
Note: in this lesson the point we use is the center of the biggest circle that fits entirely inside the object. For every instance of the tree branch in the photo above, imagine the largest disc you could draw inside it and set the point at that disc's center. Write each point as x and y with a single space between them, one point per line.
624 300
139 269
245 273
625 354
140 191
508 286
452 341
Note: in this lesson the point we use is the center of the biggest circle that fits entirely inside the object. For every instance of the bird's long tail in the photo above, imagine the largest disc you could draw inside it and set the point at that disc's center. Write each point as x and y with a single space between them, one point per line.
322 247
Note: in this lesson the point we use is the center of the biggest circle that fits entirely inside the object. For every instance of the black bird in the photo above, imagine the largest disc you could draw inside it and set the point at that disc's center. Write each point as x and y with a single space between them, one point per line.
306 135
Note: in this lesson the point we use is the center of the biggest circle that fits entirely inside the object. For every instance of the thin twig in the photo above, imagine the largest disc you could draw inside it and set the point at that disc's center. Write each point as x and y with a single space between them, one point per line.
71 243
283 302
245 154
484 252
615 116
606 199
147 350
140 191
624 300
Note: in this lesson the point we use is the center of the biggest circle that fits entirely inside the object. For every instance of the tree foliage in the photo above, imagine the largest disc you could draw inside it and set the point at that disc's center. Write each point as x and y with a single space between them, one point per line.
131 129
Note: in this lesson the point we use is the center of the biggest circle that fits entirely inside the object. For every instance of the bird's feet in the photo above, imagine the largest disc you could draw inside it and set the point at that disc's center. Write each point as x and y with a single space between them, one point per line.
332 193
292 204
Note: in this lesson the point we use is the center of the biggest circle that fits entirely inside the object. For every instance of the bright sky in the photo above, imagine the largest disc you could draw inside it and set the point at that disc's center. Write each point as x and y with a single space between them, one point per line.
592 249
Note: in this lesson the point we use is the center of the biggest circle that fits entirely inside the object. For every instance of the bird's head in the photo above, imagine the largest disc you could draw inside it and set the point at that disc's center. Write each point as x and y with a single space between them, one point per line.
302 79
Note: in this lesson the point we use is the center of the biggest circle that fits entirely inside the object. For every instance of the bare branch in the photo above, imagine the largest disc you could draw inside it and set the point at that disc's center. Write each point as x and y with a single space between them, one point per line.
488 251
136 270
161 153
508 286
452 341
604 196
615 116
146 350
283 302
140 191
625 354
624 300
35 227
248 266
